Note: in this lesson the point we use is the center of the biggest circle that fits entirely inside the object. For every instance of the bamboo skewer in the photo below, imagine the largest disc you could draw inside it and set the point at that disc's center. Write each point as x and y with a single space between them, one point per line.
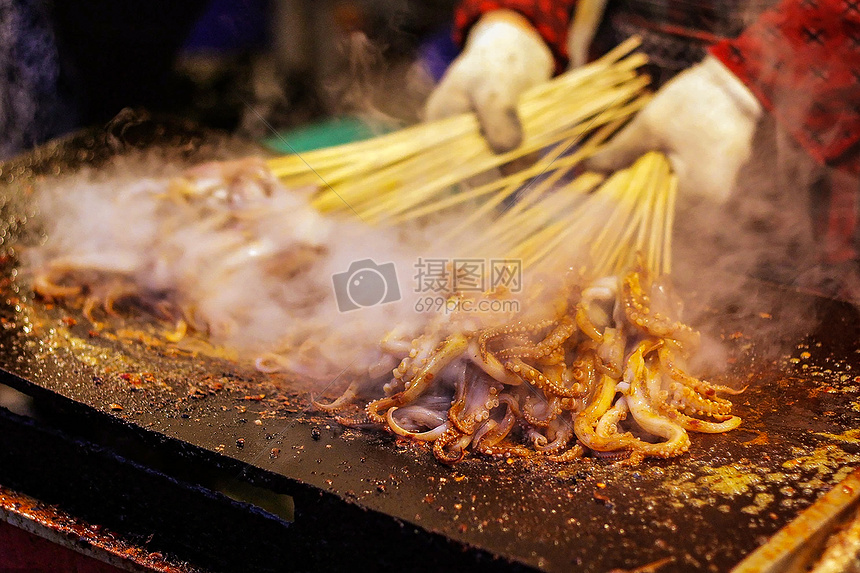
670 222
404 175
511 229
629 216
601 224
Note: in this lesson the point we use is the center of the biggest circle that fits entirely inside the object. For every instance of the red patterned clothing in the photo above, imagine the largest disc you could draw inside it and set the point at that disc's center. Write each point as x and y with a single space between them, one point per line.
674 33
802 60
800 57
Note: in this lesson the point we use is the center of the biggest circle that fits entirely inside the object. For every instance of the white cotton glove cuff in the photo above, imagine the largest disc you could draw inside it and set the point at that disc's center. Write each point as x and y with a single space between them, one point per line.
703 119
734 87
503 57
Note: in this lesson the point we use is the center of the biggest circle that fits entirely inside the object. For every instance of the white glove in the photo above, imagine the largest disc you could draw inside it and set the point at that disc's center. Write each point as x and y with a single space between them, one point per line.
703 119
503 57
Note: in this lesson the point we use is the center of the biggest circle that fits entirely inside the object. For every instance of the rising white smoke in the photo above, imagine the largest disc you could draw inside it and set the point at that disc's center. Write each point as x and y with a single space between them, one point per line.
248 261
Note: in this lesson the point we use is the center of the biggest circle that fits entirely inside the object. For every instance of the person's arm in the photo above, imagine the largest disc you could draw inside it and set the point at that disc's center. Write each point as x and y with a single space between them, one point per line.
509 46
801 59
703 119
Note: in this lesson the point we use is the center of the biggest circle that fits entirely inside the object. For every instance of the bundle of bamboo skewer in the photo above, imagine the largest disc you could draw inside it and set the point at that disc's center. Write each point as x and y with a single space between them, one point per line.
430 168
599 231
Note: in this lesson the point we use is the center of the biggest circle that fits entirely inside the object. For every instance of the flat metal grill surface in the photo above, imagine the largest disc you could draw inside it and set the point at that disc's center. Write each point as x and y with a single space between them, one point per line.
703 511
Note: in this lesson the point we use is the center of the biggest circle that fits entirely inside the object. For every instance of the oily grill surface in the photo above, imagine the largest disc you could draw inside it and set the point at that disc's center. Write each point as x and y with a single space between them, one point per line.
703 511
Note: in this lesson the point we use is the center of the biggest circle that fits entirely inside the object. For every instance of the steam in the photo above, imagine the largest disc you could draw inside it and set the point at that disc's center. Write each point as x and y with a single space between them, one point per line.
367 82
249 262
252 264
748 258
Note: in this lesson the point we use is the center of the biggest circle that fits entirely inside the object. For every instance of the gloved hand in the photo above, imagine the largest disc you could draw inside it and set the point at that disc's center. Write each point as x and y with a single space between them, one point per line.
504 56
703 119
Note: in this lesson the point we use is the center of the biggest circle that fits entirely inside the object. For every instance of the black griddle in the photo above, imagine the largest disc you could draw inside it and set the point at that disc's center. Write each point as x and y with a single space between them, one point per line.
211 462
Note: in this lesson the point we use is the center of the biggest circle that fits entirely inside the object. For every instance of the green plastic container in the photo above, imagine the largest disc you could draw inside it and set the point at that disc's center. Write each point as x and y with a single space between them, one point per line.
327 133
